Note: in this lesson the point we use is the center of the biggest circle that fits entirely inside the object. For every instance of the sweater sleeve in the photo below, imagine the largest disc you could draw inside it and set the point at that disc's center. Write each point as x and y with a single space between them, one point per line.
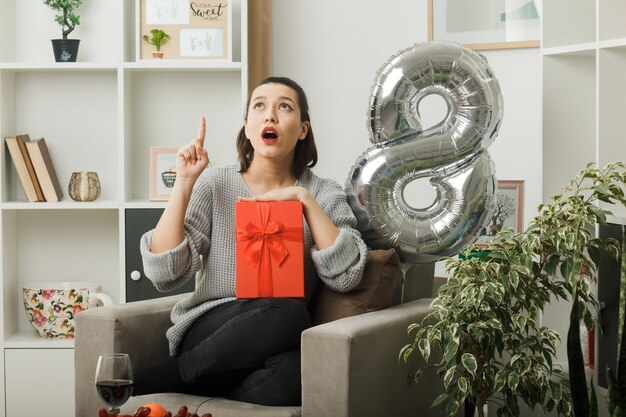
341 265
171 269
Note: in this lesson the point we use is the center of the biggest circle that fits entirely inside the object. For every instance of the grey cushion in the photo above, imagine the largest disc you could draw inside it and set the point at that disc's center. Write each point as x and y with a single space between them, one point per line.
374 292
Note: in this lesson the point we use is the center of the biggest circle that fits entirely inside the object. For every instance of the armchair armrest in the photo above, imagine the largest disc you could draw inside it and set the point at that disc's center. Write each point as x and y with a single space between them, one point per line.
350 367
137 328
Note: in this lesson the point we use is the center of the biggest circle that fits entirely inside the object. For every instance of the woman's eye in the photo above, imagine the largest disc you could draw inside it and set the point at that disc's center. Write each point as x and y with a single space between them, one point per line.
285 107
257 106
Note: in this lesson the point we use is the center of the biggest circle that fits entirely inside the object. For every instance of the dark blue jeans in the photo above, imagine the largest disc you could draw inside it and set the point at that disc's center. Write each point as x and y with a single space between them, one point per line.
243 350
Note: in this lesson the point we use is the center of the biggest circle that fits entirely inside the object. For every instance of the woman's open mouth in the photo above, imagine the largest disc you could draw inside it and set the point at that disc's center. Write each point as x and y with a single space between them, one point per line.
269 135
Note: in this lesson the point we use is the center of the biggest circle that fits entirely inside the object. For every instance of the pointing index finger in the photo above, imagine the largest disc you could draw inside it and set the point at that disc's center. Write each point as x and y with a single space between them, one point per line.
201 130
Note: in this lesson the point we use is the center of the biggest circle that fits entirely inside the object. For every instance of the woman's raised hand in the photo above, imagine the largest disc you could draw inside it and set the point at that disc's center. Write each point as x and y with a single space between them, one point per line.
192 159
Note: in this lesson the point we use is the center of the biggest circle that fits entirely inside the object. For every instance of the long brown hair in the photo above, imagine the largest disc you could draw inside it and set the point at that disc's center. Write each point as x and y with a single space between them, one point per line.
305 154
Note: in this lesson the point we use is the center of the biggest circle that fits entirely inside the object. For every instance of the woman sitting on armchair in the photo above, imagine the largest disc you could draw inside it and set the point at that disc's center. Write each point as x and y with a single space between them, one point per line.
246 350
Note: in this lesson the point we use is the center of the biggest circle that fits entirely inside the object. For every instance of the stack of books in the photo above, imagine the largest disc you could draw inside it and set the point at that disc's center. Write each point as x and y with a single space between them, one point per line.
35 169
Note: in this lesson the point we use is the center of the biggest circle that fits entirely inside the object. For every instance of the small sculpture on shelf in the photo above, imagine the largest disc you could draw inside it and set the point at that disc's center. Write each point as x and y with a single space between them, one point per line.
65 50
159 37
84 186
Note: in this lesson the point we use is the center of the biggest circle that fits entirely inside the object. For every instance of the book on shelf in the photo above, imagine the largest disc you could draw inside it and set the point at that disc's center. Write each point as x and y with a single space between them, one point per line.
20 166
22 140
44 168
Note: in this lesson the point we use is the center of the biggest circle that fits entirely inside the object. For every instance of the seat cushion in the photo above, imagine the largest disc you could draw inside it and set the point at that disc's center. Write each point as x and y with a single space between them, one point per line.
374 292
219 407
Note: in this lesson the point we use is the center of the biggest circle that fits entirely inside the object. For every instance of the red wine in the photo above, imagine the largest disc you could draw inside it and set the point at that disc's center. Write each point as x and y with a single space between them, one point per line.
114 392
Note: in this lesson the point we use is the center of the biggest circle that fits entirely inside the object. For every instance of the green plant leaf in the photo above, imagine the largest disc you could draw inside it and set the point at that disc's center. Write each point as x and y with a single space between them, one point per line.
551 265
441 398
556 392
434 334
494 323
597 213
499 381
506 283
497 255
452 408
514 279
463 386
417 375
450 351
450 285
547 355
602 188
449 376
565 407
424 347
589 173
513 380
405 352
546 397
469 362
413 327
566 269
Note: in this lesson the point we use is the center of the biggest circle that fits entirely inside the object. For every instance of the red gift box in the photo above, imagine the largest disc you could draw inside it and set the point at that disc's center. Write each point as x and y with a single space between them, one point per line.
270 249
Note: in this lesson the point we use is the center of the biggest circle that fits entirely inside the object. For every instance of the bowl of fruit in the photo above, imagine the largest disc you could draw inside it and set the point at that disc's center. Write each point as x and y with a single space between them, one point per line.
153 410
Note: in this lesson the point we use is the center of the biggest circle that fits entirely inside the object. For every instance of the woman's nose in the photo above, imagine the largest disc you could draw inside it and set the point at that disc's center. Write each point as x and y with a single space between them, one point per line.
270 116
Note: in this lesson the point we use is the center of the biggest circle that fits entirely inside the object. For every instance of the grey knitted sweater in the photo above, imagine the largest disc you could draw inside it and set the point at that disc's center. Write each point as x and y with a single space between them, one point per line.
209 246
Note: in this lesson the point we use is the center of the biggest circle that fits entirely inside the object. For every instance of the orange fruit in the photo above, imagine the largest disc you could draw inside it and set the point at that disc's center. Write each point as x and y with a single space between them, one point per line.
156 410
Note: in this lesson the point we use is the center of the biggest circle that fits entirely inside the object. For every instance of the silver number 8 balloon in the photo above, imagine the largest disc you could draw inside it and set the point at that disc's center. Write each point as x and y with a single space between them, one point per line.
452 154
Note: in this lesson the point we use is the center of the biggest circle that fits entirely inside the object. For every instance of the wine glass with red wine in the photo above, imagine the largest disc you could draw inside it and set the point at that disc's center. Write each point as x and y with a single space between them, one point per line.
114 380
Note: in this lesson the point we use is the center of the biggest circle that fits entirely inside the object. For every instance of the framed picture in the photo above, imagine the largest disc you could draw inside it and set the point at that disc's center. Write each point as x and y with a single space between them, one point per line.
508 210
162 172
485 24
196 29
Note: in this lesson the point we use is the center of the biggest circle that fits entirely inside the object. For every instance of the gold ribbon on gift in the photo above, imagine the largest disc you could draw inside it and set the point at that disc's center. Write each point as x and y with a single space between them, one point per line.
265 243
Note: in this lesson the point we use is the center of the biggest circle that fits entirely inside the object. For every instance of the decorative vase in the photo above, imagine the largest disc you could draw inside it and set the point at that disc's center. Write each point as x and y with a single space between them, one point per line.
52 306
157 55
65 50
84 186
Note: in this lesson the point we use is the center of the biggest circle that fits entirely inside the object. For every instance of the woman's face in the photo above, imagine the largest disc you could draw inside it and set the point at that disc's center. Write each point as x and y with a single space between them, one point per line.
273 124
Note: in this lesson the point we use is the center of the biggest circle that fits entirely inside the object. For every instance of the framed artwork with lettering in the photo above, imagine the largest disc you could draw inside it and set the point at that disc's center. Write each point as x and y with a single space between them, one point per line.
184 29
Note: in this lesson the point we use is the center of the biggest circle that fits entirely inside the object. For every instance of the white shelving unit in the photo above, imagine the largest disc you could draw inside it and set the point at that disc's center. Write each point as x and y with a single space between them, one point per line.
100 114
584 62
584 73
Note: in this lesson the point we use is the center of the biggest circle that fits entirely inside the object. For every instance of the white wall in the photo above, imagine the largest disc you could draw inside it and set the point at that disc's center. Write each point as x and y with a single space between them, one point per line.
334 48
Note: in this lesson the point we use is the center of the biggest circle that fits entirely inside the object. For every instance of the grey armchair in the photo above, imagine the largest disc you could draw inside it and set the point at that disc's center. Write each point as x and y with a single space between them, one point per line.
349 366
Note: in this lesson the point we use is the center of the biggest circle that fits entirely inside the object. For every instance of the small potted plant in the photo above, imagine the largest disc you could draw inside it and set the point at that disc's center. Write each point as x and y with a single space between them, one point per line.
65 50
159 37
